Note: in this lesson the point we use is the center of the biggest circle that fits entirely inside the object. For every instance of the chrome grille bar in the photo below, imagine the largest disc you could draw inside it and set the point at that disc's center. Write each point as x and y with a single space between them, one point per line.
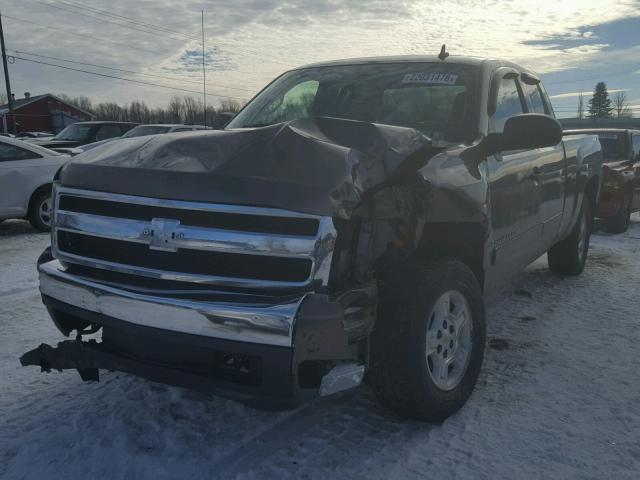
197 238
169 235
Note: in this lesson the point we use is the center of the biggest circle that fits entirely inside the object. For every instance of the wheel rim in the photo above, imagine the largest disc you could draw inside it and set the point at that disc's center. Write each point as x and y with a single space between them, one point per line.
582 235
44 211
449 340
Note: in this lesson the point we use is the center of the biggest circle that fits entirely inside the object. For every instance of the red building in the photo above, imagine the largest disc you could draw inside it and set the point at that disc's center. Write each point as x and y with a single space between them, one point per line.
42 113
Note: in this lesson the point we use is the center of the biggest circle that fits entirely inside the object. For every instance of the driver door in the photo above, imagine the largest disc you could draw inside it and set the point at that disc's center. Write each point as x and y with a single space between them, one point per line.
514 190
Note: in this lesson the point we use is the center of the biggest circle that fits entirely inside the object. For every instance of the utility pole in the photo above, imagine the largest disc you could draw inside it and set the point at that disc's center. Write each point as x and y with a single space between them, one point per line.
204 76
6 79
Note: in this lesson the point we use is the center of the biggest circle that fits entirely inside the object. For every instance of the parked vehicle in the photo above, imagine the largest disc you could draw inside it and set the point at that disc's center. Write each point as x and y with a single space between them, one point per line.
346 222
26 175
23 135
81 133
143 131
620 195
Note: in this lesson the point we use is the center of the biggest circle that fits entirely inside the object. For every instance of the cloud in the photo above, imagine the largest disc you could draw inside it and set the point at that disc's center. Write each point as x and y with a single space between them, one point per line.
585 94
249 42
214 59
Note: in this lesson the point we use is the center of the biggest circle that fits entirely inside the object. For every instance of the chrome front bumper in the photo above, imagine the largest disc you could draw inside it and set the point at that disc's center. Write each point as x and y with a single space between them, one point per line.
265 324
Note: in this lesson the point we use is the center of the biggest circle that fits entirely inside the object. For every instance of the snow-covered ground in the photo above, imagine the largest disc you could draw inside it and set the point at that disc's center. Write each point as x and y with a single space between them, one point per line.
559 397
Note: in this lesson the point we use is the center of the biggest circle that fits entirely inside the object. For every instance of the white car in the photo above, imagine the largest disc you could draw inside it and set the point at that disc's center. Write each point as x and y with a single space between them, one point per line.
26 175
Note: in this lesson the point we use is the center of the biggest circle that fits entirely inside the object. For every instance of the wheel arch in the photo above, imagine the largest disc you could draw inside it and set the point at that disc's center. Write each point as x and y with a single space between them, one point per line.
464 242
592 191
42 188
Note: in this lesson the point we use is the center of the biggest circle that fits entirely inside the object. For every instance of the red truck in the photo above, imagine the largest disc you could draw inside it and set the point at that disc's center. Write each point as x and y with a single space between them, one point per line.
620 193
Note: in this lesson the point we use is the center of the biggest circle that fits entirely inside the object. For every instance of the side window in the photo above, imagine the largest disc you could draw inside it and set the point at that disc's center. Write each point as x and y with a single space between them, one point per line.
508 104
182 129
534 98
125 128
10 153
108 131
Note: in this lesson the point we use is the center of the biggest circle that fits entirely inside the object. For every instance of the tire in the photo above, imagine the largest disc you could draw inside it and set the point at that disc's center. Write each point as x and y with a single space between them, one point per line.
39 207
402 372
569 256
619 223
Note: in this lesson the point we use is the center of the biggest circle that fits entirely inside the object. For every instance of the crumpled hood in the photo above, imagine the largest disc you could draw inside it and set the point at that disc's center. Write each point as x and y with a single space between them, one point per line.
321 166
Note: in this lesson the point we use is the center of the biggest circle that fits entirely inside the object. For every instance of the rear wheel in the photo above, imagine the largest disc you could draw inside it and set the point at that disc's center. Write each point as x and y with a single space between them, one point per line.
619 223
428 344
569 256
40 210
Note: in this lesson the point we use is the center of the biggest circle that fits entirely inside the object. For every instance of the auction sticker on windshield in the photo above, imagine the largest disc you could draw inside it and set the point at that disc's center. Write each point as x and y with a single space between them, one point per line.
431 77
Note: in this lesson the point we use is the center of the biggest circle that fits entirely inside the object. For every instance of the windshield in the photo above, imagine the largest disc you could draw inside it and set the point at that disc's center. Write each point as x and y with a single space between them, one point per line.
612 146
75 131
143 130
431 97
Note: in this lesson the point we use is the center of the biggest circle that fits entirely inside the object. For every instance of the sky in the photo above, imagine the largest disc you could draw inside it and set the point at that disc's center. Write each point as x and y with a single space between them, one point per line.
571 44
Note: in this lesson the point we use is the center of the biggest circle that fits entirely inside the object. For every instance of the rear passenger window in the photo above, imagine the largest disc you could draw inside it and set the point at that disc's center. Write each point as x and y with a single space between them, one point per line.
534 98
636 146
508 104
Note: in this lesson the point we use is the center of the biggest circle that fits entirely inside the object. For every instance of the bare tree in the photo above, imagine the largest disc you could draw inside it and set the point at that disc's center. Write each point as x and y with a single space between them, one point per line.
81 102
190 111
229 105
580 113
174 109
621 105
178 110
110 111
139 112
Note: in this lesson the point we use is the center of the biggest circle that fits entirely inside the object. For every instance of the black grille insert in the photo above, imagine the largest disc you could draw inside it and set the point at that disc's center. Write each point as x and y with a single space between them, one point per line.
197 218
198 262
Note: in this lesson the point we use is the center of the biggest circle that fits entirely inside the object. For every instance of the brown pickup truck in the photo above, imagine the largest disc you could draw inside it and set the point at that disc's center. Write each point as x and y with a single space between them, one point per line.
343 227
620 193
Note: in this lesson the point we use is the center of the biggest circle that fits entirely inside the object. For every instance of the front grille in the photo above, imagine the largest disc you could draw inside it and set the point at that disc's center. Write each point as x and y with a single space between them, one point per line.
198 262
179 241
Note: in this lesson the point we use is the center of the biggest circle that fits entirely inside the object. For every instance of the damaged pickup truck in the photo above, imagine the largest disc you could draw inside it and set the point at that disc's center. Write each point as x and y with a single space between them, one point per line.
344 227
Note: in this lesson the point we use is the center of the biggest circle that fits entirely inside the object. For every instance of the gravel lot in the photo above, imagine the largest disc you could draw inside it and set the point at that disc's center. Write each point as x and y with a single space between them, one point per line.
559 397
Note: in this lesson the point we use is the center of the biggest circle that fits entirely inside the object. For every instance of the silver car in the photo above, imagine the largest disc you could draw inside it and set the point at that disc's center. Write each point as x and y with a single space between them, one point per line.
26 175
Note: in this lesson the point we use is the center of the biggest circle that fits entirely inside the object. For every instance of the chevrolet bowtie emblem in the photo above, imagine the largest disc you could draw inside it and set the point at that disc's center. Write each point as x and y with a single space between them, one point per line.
163 234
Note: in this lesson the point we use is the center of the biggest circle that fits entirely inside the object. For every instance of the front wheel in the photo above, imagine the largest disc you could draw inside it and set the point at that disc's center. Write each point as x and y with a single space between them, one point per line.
40 211
428 344
569 256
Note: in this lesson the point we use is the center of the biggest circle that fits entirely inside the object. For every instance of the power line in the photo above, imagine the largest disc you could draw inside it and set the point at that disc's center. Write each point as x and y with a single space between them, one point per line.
79 34
125 79
74 12
151 26
127 19
19 52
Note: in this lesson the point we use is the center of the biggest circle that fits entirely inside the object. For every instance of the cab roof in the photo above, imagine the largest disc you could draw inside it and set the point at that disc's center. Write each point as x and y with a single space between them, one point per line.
399 59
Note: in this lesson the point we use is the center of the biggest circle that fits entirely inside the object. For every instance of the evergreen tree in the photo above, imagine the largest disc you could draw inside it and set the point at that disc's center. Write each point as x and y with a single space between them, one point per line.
600 103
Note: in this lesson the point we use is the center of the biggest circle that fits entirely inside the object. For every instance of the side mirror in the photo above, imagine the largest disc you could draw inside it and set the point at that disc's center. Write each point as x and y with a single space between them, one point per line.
524 132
